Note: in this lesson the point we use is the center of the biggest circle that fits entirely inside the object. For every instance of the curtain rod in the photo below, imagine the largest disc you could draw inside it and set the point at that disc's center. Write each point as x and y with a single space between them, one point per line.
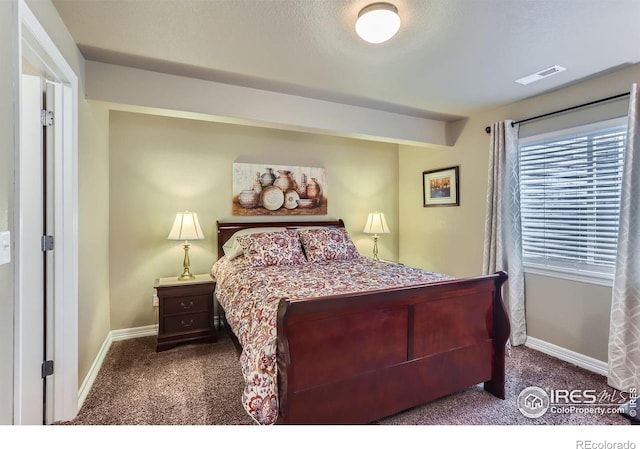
560 111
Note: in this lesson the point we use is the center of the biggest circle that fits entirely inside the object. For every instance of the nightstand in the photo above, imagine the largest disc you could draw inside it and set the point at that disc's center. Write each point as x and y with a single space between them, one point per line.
185 311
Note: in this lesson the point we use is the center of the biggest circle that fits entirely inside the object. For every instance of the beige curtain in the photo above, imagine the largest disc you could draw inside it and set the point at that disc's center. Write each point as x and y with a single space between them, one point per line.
503 232
624 332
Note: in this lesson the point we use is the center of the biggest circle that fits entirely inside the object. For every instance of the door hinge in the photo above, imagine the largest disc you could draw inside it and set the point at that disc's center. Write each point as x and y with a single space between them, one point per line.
46 243
46 117
47 368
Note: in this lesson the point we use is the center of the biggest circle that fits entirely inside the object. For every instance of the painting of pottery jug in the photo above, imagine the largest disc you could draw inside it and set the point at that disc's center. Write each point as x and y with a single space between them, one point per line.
314 191
284 181
302 186
267 178
248 199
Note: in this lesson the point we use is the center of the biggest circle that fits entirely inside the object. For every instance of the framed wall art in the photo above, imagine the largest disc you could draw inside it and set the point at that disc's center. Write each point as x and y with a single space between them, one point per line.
262 189
441 187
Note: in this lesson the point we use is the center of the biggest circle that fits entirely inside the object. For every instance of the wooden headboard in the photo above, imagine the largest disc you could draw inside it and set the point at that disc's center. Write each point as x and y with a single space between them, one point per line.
227 228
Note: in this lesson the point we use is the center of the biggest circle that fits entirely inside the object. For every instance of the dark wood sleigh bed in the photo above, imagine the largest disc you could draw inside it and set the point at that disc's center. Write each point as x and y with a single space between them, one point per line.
361 357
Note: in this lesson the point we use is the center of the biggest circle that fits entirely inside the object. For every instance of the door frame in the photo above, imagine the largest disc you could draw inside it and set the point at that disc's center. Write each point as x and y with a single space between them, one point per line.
35 43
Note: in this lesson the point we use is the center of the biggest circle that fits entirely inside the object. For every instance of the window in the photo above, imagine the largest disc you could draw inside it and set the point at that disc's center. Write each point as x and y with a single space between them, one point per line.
570 200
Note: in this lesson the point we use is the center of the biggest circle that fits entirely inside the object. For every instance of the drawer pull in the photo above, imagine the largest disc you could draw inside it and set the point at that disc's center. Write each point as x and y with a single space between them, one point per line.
185 324
185 306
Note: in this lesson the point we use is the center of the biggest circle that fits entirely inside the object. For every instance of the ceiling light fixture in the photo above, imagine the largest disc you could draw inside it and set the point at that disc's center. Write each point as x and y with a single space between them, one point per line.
378 22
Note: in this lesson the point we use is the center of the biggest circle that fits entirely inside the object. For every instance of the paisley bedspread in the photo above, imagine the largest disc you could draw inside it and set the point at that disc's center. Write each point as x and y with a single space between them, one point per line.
250 296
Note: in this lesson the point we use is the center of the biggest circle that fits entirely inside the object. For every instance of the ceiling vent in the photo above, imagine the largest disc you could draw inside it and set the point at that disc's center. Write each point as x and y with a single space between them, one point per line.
541 74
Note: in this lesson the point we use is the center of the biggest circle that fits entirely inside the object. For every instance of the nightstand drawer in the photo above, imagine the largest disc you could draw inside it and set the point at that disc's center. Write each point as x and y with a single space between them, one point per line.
187 304
187 322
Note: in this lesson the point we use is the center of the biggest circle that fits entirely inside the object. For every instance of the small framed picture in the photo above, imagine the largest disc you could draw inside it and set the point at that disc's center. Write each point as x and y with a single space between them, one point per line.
441 187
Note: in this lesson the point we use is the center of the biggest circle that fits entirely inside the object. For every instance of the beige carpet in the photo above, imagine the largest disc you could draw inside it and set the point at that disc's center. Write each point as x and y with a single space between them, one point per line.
201 384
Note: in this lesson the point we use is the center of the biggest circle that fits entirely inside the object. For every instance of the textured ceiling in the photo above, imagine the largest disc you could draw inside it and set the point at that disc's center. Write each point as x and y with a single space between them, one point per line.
450 57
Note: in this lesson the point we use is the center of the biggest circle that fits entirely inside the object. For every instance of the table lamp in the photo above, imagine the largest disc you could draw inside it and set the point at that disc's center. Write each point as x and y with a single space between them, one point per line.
376 224
186 227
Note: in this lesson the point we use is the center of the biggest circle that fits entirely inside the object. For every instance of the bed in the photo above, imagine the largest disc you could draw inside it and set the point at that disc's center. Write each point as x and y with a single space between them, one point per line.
333 337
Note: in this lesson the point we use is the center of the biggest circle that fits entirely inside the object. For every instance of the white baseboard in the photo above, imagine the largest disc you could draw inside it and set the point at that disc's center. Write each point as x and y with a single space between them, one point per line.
575 358
117 335
134 332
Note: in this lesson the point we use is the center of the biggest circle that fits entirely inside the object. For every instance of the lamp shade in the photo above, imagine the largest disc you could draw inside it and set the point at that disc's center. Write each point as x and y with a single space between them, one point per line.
186 227
378 22
376 224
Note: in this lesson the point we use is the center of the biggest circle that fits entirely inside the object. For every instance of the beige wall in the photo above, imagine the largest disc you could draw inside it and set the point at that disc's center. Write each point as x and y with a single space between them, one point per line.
93 234
551 309
446 239
8 92
159 166
450 239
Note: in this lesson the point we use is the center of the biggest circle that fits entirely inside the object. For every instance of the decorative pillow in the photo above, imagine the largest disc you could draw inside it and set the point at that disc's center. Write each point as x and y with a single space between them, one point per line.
327 244
272 248
232 248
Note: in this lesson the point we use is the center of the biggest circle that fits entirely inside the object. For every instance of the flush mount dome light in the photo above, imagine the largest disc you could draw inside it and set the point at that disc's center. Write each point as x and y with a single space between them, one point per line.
378 22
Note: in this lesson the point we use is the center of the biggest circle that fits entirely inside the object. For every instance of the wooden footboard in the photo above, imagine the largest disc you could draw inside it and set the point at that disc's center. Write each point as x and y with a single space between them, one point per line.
358 358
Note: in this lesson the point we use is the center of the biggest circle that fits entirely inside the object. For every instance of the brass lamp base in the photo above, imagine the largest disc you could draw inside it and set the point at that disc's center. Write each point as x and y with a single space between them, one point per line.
375 247
186 274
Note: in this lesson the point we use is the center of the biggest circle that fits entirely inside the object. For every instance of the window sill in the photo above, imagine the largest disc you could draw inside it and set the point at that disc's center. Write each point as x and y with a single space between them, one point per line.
576 276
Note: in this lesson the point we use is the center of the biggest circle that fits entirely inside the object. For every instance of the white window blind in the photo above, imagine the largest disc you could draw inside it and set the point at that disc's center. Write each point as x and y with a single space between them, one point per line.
570 198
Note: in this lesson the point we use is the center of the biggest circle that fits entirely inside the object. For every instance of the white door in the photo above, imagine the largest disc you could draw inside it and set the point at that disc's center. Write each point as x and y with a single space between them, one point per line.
34 392
31 342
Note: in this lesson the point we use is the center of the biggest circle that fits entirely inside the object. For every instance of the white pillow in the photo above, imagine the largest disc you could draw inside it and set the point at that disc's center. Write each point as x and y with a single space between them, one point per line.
232 248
